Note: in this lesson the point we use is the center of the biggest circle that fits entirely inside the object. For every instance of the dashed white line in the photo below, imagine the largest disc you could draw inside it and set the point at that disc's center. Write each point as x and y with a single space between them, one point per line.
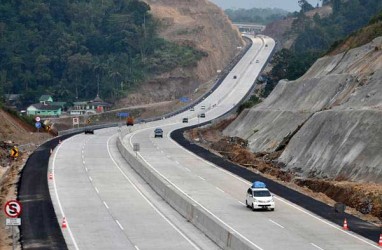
96 189
316 246
119 224
106 205
202 178
242 203
177 162
90 178
83 162
136 247
276 223
86 169
187 169
221 190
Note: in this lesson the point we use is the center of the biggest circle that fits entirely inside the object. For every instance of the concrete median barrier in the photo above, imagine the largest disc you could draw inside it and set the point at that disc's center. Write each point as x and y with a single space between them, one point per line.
215 229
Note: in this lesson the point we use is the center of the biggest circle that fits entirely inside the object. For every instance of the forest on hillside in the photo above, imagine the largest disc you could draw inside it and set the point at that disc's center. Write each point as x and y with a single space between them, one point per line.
316 36
255 15
68 48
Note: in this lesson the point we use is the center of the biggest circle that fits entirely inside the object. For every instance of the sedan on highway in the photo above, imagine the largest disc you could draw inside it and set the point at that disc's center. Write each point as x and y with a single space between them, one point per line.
259 198
158 132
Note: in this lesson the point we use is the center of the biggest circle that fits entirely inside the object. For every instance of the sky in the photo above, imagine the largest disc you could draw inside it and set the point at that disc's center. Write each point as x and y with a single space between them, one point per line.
289 5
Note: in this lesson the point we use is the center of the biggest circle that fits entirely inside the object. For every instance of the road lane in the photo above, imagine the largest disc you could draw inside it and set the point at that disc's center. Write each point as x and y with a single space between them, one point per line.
105 206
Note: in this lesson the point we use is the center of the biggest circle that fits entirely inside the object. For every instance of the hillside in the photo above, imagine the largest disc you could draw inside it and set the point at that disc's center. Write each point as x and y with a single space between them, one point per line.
330 117
199 24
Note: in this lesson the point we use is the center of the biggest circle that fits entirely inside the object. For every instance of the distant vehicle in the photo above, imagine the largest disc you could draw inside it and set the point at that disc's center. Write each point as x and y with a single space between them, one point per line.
234 77
202 115
192 109
89 131
203 107
259 197
257 61
185 120
130 121
266 45
158 132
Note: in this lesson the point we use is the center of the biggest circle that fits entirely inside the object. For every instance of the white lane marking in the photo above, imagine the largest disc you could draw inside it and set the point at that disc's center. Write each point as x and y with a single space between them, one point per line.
221 190
90 178
136 247
242 203
106 205
274 222
147 200
57 197
119 224
177 162
96 189
196 202
86 169
187 169
201 178
83 162
316 246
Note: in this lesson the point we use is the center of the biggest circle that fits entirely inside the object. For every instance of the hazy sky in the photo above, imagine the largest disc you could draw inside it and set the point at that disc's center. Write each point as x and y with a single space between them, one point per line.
289 5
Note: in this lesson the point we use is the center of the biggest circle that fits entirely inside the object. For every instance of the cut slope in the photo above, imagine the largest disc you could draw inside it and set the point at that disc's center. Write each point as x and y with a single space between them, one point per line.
336 109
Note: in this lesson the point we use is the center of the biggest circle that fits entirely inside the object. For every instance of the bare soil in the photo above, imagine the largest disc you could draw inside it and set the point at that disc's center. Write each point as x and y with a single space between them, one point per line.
13 132
363 200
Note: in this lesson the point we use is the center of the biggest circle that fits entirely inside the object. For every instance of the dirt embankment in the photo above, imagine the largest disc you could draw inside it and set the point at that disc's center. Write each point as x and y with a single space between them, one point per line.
13 132
199 24
363 200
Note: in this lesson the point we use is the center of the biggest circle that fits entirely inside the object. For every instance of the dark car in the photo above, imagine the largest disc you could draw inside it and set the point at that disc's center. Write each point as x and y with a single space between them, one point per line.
89 131
158 132
185 120
202 115
234 77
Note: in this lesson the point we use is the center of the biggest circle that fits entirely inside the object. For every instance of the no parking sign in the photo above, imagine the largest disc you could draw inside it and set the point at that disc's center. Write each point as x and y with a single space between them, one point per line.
12 209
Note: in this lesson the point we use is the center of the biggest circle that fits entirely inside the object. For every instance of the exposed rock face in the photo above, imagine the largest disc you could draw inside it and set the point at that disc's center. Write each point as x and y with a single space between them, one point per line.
336 110
197 23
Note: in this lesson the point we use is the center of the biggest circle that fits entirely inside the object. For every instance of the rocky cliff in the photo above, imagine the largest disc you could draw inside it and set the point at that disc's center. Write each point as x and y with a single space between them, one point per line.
330 119
197 23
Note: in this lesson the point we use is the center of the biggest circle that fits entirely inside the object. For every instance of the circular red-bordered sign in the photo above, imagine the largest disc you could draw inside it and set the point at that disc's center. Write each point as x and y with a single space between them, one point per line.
12 208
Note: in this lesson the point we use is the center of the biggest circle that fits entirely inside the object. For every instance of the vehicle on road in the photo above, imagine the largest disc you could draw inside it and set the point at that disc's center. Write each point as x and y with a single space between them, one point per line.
130 121
202 115
234 77
266 45
185 120
89 131
259 197
158 132
257 61
192 109
203 107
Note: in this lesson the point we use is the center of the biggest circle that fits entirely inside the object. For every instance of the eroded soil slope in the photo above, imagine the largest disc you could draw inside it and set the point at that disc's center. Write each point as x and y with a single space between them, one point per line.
196 23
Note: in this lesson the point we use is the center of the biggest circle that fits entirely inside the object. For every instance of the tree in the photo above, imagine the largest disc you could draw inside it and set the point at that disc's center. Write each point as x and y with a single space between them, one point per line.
305 6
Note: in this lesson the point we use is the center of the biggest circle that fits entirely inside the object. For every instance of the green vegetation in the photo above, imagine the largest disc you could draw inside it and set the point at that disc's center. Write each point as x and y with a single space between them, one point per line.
259 16
315 36
253 100
67 48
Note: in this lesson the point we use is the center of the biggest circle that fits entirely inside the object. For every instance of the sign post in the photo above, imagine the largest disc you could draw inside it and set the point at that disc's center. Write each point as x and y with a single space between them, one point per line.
136 148
12 210
76 121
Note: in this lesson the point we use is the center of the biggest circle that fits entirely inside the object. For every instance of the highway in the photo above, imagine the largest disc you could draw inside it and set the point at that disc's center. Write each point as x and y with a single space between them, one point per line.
108 205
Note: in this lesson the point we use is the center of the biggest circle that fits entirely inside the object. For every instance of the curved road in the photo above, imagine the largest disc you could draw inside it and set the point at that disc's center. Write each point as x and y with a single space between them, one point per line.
108 206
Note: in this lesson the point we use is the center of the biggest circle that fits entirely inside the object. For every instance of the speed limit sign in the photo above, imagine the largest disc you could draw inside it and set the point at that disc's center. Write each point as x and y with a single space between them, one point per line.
12 209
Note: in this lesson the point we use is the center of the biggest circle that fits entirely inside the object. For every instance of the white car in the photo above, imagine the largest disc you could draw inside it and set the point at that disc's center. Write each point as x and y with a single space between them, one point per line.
259 198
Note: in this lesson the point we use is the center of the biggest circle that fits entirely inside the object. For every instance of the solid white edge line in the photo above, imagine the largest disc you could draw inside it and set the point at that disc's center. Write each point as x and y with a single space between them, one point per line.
57 197
276 223
106 205
147 200
316 246
119 224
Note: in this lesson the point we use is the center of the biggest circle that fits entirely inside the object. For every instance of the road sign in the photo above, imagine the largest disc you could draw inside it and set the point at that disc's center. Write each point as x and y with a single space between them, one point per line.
88 121
12 209
184 99
38 124
76 121
13 222
37 118
14 152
